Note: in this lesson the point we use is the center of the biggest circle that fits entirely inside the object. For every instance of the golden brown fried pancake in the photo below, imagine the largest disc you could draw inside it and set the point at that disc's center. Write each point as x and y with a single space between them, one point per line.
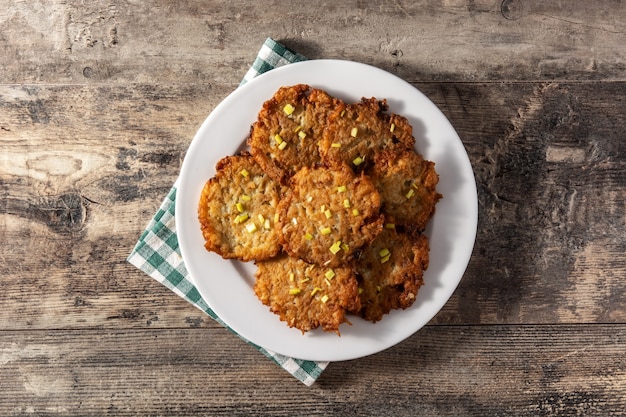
357 132
289 126
407 185
390 272
307 296
321 178
327 214
237 209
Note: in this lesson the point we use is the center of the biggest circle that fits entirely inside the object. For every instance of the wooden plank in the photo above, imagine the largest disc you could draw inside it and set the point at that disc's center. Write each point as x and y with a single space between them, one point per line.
198 41
79 187
83 171
99 101
552 203
442 371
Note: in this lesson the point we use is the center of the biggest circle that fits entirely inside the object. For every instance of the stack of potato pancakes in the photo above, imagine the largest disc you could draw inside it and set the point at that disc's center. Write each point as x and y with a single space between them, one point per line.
330 202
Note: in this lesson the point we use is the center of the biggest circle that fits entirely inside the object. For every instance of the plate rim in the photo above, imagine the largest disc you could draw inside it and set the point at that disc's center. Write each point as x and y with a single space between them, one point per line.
251 85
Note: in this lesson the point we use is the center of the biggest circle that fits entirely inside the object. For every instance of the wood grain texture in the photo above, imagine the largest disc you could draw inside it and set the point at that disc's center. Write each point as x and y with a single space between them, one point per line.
99 102
442 371
197 41
93 178
551 195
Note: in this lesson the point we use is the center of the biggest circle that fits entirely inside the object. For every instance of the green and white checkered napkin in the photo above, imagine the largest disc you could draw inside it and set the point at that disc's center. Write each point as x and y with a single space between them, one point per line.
157 252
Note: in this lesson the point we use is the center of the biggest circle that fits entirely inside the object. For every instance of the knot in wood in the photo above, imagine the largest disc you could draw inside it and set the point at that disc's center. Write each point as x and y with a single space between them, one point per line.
63 214
511 9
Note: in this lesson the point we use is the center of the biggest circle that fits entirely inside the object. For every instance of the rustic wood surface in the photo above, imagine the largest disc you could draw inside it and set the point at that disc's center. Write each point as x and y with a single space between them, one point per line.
98 104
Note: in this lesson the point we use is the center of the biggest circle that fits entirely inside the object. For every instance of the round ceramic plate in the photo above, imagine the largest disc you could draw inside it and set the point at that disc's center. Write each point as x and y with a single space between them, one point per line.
227 285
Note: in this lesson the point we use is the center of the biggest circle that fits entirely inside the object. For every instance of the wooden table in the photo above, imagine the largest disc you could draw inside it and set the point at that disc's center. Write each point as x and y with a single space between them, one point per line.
99 102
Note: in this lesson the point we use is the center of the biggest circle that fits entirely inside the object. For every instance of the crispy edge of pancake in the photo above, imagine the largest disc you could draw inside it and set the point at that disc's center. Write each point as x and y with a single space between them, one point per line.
307 296
392 283
283 143
218 210
357 132
407 184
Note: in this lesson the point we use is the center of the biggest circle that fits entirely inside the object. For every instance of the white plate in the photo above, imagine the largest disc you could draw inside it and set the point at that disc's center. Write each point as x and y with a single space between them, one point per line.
227 285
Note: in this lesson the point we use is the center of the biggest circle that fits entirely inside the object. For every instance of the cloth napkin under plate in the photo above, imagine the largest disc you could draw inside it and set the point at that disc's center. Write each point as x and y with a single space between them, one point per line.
157 252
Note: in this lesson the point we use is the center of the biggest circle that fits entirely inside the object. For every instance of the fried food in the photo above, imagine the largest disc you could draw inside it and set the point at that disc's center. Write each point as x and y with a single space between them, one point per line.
307 296
390 272
357 132
407 184
308 204
327 214
288 128
237 208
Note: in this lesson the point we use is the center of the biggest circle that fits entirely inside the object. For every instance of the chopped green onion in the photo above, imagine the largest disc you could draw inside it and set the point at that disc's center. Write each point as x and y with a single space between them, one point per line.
241 218
335 247
357 161
288 109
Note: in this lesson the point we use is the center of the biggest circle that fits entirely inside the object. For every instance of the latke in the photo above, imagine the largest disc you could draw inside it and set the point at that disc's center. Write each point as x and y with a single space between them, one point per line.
307 296
330 203
357 132
390 272
327 214
237 208
407 185
288 128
